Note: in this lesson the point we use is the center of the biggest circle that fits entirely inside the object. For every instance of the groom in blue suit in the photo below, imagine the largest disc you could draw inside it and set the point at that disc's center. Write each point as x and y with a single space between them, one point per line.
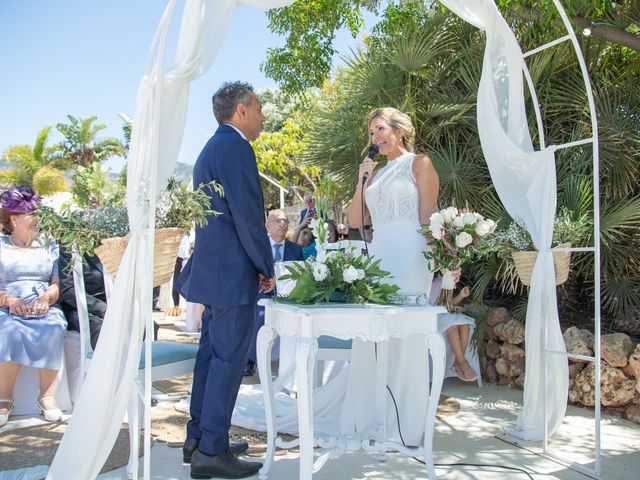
231 263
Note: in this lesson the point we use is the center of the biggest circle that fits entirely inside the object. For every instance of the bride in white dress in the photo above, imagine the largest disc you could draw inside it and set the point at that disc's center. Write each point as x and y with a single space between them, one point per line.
399 198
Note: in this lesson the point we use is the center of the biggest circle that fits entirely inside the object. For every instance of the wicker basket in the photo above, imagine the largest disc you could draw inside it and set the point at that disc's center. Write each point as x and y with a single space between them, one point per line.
167 241
524 264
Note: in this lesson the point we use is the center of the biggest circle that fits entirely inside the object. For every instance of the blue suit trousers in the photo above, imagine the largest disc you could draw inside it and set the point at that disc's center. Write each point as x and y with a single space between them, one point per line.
217 375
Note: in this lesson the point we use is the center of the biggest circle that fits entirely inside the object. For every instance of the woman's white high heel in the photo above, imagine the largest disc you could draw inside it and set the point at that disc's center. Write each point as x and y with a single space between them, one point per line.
4 417
52 414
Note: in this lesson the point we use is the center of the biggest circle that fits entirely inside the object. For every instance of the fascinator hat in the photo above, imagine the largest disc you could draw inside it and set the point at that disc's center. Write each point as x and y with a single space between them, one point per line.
19 199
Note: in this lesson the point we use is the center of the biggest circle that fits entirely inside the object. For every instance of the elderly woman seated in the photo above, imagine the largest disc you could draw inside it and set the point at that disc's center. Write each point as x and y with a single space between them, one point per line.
31 327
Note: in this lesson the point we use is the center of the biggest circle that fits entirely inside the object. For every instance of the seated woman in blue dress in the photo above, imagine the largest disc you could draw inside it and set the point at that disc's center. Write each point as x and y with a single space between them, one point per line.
31 327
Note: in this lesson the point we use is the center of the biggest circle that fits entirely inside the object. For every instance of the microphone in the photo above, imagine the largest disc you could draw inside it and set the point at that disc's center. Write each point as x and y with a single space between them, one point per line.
372 152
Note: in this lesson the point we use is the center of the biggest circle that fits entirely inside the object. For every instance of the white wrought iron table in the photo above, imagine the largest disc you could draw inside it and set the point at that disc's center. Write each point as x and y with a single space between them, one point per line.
374 323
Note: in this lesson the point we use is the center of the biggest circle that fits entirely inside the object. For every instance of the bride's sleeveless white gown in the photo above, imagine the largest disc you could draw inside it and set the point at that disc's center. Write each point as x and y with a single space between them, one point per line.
392 199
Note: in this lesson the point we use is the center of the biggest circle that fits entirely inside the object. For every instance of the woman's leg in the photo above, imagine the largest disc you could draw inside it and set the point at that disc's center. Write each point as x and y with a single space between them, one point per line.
458 337
48 387
465 333
453 336
8 374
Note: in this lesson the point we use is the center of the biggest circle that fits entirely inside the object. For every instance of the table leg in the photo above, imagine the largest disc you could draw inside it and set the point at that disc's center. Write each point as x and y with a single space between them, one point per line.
305 362
264 343
436 348
382 367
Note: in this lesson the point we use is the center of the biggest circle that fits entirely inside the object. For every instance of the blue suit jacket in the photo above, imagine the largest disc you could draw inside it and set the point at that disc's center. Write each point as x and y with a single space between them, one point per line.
233 247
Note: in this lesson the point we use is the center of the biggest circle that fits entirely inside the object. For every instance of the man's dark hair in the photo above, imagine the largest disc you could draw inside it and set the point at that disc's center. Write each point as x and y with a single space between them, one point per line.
228 96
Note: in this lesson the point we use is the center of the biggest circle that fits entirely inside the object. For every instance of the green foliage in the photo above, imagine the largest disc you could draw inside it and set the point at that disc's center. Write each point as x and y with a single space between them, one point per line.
179 207
310 27
48 180
319 280
81 145
279 149
83 230
39 166
92 186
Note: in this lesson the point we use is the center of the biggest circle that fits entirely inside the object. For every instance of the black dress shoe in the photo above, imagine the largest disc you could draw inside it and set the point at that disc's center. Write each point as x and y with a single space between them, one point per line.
250 369
222 465
238 447
190 445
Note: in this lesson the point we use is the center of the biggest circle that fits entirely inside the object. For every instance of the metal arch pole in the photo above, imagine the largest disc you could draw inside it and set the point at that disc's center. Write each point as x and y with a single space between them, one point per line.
536 103
596 225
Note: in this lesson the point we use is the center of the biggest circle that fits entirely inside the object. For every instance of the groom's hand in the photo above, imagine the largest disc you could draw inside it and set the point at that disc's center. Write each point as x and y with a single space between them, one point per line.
266 284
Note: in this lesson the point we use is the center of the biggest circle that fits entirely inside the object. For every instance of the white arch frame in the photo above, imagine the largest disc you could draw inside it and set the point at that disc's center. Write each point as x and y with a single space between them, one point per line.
160 110
571 36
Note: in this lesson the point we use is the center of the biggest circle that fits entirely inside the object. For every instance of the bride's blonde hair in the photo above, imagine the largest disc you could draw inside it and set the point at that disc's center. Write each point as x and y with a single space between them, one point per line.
398 121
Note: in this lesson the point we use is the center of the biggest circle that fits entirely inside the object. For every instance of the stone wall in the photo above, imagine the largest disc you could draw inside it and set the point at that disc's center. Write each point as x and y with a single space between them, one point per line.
502 362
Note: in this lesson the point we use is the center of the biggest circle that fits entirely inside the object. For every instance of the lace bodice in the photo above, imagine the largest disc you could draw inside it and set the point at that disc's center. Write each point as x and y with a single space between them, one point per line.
392 197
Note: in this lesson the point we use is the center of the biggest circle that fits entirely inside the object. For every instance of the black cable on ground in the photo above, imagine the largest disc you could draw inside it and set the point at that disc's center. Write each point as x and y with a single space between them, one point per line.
515 469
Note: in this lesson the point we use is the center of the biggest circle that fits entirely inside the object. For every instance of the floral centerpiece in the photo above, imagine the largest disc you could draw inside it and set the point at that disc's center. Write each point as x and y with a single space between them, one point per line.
344 275
453 235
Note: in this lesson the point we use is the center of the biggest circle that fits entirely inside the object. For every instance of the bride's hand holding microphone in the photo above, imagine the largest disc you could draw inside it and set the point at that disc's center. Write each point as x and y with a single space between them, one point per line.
368 165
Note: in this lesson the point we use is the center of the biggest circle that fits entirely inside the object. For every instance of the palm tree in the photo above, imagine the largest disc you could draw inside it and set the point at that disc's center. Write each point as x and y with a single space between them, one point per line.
81 145
39 166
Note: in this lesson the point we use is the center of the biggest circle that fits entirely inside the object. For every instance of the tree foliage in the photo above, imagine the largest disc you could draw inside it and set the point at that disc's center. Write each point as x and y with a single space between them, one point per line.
310 27
279 148
40 165
429 65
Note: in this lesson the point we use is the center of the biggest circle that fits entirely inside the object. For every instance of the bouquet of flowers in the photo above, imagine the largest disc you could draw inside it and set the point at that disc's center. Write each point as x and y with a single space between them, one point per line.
453 235
338 276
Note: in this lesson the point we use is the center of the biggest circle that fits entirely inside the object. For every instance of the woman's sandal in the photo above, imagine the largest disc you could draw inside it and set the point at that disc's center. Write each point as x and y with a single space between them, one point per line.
4 417
464 372
51 414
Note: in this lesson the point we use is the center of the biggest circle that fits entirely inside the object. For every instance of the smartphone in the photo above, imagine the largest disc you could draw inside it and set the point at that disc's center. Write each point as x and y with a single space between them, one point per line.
312 212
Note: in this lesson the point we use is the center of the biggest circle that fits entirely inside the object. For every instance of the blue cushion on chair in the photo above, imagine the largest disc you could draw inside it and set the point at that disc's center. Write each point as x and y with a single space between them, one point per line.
325 341
168 352
163 353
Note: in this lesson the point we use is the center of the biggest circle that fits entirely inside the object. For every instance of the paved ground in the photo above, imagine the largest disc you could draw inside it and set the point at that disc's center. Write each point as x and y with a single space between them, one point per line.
473 436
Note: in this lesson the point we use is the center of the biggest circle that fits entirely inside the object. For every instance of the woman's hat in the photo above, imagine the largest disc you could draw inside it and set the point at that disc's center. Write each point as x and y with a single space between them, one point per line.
20 199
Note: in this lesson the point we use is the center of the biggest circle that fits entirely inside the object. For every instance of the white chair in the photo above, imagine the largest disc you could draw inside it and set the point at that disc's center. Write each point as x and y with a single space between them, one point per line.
168 359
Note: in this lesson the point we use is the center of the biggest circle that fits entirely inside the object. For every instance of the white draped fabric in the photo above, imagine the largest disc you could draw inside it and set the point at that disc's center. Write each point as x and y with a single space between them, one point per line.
159 120
526 183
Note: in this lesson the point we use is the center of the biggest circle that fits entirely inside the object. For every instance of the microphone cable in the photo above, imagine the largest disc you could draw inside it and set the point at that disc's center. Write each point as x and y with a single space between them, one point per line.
371 153
395 405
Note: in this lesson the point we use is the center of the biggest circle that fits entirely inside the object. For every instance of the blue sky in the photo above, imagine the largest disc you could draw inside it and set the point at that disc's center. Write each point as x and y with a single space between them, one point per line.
87 57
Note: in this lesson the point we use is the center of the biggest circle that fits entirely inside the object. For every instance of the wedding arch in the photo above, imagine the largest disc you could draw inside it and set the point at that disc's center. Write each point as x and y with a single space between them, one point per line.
514 164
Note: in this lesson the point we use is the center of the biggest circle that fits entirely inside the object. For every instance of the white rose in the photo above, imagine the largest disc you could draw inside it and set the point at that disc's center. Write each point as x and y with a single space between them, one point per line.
436 219
478 216
492 225
447 215
469 218
436 231
320 271
483 228
360 274
458 222
350 274
463 239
